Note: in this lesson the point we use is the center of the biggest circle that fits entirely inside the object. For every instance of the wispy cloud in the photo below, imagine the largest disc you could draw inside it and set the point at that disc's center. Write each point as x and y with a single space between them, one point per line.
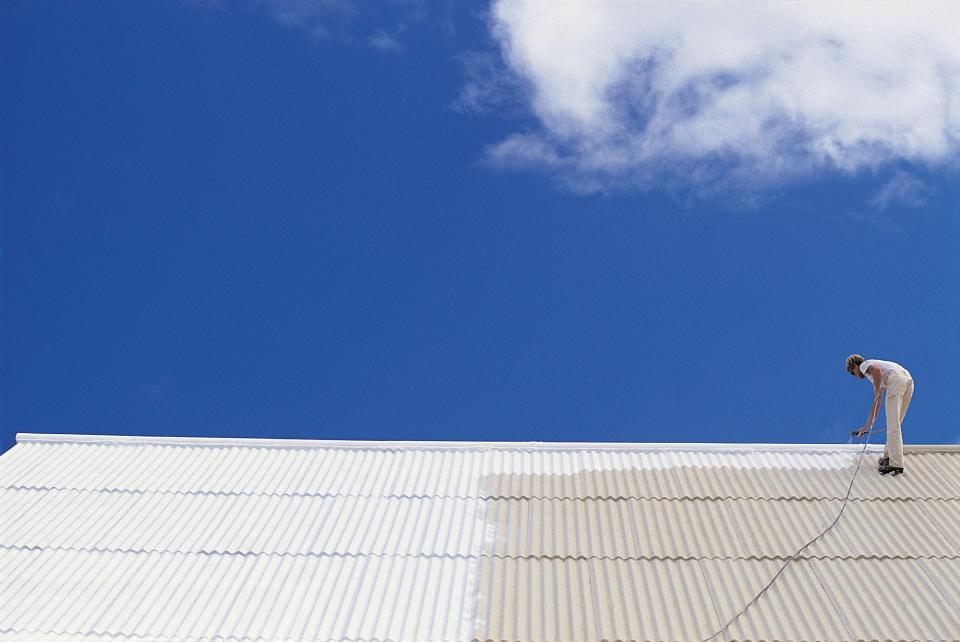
488 85
903 190
378 26
886 209
383 41
636 94
158 389
62 202
322 19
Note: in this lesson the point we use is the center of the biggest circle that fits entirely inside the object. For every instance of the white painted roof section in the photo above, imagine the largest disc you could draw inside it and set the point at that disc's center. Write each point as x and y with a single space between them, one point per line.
151 538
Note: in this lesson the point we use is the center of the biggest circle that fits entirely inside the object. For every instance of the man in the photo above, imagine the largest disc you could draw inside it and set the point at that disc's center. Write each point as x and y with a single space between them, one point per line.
899 385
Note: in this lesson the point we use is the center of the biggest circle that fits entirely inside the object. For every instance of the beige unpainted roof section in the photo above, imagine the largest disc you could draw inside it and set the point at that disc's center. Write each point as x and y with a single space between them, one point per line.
211 539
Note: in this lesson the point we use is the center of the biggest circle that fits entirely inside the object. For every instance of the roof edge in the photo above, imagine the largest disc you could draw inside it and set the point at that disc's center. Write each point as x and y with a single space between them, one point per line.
443 445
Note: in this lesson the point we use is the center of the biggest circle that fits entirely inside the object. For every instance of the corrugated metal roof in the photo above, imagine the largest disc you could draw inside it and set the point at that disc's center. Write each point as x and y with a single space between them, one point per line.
178 539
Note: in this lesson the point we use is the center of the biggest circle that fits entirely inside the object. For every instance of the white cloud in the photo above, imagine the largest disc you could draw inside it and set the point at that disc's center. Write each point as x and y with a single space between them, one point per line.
713 93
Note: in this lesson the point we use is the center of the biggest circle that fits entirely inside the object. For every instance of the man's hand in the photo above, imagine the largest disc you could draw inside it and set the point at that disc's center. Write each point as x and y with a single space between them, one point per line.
860 432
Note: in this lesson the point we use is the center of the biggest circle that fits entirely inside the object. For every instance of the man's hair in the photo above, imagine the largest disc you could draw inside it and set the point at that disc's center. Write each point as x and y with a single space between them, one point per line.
853 361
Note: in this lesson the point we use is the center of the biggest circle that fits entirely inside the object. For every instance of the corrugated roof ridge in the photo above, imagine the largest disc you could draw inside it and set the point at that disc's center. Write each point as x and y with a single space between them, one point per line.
246 638
465 556
658 498
451 445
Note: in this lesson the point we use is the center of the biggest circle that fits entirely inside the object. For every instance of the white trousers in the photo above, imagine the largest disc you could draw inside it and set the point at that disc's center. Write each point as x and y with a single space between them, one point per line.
899 393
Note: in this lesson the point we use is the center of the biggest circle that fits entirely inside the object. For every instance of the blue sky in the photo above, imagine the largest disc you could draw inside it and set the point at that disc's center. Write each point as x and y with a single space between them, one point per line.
441 221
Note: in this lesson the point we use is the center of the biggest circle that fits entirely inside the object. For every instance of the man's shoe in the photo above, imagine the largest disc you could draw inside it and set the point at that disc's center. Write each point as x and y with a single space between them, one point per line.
886 469
883 461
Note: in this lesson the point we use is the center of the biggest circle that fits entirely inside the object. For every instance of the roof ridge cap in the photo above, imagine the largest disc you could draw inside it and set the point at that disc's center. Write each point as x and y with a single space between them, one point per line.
450 445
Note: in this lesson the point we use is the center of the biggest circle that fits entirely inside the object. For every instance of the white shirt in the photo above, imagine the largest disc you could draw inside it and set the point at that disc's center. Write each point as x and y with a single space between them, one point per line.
885 367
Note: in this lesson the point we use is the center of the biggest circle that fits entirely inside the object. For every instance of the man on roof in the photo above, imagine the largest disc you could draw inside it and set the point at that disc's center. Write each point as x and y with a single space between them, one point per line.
899 385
